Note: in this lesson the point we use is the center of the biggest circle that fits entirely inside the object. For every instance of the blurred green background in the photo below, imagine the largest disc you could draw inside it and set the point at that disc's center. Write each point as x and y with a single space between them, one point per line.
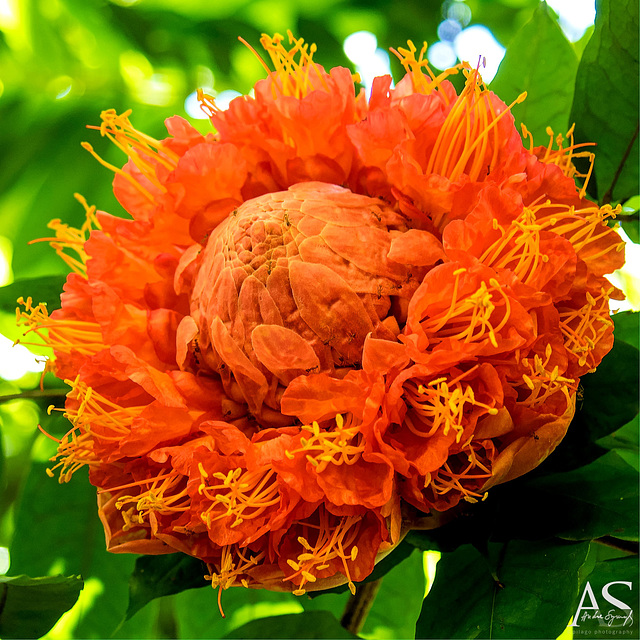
61 63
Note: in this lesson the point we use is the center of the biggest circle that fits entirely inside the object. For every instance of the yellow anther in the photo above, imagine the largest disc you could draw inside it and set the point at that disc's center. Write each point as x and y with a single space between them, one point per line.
304 543
293 564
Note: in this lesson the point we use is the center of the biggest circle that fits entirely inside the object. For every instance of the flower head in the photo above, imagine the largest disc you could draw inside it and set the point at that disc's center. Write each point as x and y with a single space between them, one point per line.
322 315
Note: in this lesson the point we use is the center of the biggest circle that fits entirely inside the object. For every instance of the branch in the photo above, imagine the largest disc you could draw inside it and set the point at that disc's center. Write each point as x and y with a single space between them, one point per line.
34 394
359 605
606 198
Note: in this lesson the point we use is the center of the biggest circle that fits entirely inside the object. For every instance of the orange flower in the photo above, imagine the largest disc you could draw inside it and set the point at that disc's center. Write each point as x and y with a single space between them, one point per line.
323 312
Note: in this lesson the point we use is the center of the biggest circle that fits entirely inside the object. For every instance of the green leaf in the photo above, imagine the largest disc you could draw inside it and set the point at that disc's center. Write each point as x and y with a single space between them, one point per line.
397 604
199 617
44 289
157 576
605 104
311 624
625 442
29 607
540 61
69 538
627 327
609 401
531 592
631 227
592 501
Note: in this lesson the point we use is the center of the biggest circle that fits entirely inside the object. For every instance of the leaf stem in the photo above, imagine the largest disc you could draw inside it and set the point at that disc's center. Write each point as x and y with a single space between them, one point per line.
628 546
358 606
35 393
606 198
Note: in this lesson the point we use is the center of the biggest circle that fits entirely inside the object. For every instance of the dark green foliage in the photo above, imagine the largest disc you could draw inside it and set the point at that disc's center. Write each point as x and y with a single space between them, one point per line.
45 289
29 607
605 103
164 575
311 624
541 62
522 590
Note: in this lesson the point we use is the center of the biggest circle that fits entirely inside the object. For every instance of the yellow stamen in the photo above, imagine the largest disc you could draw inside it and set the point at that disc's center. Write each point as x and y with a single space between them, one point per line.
342 445
145 152
476 317
563 156
464 472
424 83
69 238
94 419
293 67
333 538
469 128
440 406
165 494
233 567
541 383
63 335
240 493
583 328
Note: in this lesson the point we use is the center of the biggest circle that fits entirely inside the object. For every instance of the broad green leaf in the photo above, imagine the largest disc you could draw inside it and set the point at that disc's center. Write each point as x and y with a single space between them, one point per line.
29 607
530 593
198 615
157 576
609 401
631 227
310 624
69 538
396 606
605 103
627 327
625 442
540 61
592 501
44 289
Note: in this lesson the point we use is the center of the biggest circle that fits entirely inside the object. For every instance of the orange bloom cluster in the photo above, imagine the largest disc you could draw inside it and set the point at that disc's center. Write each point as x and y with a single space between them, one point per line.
327 313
